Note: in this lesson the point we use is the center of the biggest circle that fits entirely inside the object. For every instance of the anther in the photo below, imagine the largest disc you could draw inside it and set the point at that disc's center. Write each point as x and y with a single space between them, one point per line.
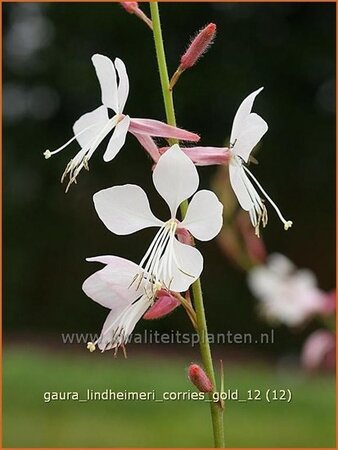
91 347
288 224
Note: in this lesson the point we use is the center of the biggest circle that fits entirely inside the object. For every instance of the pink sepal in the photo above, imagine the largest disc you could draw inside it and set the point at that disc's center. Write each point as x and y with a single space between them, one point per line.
164 305
205 156
159 129
319 350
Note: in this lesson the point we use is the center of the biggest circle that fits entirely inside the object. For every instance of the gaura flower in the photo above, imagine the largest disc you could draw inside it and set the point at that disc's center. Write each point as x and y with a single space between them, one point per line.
247 130
91 128
110 287
286 294
125 210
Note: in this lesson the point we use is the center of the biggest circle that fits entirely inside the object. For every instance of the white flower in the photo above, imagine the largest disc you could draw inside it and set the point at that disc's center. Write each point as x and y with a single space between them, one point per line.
247 130
286 294
110 287
125 209
91 128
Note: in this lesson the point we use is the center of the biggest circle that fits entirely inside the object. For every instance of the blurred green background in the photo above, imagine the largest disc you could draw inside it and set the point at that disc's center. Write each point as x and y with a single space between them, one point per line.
48 82
307 422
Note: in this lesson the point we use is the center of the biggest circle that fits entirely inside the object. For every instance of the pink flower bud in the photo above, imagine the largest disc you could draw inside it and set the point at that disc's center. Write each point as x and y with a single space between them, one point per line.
199 45
164 305
130 7
133 8
199 378
184 236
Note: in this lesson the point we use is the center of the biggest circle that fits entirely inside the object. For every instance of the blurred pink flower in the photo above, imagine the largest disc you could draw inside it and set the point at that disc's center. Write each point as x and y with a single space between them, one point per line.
330 302
286 294
319 351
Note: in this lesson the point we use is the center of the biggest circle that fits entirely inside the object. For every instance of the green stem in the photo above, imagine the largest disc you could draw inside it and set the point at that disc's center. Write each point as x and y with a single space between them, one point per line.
216 409
162 64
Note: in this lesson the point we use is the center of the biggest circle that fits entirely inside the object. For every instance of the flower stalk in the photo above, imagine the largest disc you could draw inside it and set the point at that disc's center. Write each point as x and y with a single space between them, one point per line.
216 410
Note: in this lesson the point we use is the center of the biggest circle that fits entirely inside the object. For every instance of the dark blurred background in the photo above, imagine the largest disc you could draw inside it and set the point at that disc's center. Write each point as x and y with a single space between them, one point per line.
48 82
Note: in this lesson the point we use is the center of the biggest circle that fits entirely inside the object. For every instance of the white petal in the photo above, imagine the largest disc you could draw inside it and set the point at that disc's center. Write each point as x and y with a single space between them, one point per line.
175 177
204 217
136 312
126 321
124 209
253 129
243 111
109 328
187 269
117 140
123 89
110 286
121 263
95 120
236 180
106 74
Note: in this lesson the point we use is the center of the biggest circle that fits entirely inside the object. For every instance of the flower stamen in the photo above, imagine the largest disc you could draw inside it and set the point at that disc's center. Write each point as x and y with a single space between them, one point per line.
47 154
157 261
82 158
118 332
287 223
